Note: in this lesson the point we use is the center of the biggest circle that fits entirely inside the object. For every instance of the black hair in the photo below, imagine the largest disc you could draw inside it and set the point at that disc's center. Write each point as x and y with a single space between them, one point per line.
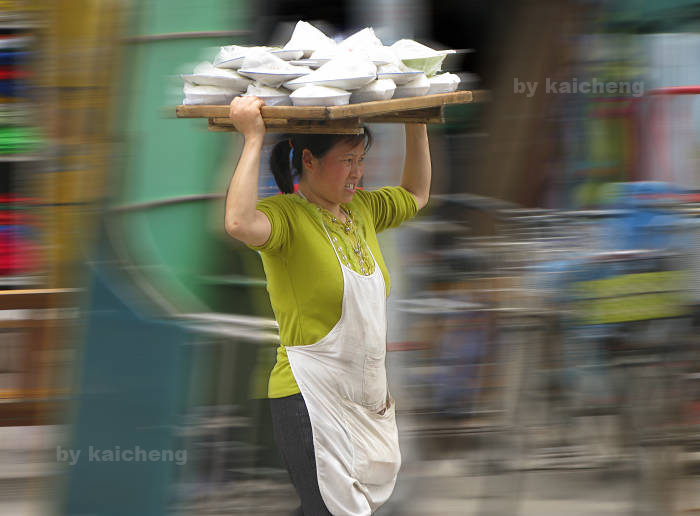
285 160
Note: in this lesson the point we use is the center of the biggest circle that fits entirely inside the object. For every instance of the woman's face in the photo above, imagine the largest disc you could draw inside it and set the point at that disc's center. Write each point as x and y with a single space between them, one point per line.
334 177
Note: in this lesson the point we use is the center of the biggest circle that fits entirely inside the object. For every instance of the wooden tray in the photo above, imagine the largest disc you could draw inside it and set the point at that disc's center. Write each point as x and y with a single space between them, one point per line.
337 119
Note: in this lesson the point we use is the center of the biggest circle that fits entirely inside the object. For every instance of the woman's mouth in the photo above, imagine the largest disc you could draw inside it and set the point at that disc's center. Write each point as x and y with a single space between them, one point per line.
350 187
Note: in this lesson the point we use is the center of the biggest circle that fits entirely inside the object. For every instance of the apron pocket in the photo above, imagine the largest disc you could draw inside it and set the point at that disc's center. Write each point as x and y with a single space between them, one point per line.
373 382
375 444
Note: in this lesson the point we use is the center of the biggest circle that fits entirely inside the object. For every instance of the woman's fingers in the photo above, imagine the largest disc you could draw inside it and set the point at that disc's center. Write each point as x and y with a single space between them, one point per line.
258 102
239 105
246 115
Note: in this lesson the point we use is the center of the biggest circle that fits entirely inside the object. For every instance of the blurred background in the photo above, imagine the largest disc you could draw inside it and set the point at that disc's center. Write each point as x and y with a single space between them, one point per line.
544 343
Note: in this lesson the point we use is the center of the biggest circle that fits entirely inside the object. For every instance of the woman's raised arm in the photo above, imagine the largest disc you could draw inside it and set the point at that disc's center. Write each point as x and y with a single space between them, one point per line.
242 220
417 168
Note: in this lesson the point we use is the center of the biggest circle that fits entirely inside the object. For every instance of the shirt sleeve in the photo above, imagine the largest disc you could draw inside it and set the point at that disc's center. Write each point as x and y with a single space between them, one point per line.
390 206
277 213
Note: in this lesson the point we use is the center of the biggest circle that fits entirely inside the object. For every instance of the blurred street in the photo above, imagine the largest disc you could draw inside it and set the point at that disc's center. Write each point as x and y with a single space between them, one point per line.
543 309
467 483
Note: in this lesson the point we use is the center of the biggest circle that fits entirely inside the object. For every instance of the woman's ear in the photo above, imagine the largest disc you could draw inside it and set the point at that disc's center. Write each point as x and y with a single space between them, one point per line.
307 159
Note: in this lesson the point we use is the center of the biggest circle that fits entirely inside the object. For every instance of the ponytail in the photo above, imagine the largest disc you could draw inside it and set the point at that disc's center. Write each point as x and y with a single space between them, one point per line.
281 166
285 159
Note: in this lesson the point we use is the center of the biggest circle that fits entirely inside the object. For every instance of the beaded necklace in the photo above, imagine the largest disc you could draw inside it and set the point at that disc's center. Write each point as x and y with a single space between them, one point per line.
349 227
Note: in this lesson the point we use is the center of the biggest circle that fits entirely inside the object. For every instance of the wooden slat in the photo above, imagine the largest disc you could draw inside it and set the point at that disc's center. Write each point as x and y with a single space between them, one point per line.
344 126
381 107
295 112
285 130
21 324
364 109
387 119
30 412
186 111
222 128
297 128
37 298
433 115
343 123
481 96
287 112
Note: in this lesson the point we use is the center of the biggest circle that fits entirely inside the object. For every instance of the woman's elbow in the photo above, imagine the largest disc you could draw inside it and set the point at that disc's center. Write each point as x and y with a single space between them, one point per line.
422 200
233 227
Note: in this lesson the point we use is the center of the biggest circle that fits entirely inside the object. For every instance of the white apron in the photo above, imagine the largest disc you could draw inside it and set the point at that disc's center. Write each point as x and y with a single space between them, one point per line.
342 378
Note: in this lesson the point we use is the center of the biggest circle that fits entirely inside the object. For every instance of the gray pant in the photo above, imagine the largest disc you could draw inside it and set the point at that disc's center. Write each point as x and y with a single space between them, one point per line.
294 438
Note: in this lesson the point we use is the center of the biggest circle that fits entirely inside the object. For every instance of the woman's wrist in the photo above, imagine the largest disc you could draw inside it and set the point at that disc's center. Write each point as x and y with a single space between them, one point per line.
254 139
416 129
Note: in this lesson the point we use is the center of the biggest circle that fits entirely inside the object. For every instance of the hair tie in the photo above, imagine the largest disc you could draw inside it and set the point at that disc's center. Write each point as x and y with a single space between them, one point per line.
291 156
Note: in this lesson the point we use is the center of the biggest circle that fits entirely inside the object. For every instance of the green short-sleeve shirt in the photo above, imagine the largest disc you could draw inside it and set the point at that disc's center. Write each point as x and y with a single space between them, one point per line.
304 278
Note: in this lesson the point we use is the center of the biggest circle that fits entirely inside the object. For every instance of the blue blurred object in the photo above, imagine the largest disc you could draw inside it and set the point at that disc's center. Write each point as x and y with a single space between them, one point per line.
10 58
643 218
129 391
13 88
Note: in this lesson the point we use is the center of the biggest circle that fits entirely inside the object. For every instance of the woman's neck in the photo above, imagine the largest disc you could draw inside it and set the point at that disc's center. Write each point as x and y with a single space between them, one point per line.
308 194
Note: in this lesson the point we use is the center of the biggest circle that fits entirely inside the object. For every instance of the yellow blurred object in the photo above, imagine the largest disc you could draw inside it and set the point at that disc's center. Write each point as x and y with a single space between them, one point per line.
631 297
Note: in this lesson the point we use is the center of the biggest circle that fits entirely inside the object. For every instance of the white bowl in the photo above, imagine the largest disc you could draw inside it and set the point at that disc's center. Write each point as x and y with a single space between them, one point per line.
415 88
209 99
436 88
382 89
429 65
231 82
443 83
441 88
271 96
311 63
321 101
213 95
320 96
349 83
410 91
320 61
399 77
370 96
274 79
307 37
231 64
420 57
232 56
288 55
272 100
206 74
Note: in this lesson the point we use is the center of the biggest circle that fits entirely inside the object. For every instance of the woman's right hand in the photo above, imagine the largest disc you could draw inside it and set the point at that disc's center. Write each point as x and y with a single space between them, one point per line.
246 116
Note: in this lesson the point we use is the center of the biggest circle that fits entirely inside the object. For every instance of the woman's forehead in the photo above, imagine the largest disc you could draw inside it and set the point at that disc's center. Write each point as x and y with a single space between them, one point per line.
348 147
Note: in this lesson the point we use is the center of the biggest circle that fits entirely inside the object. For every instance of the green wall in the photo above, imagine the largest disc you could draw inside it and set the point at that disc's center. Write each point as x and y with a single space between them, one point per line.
179 247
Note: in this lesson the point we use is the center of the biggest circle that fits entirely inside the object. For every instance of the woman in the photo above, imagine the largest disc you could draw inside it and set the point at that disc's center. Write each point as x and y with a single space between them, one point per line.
333 417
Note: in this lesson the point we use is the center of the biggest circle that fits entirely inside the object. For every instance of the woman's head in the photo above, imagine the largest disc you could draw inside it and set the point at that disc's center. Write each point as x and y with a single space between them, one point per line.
323 161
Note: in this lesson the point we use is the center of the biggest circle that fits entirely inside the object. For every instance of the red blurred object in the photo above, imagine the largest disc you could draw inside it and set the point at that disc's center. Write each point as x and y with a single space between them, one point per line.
11 198
676 90
19 254
8 72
